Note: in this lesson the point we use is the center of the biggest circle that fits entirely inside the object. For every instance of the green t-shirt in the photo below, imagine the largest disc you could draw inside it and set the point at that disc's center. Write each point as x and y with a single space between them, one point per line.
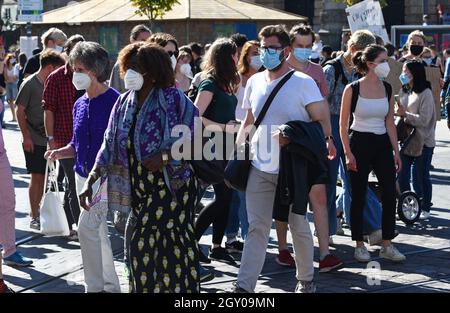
222 108
30 96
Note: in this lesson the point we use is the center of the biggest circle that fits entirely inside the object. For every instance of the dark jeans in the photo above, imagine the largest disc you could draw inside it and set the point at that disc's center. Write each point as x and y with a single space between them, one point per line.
216 213
129 229
71 206
372 152
420 168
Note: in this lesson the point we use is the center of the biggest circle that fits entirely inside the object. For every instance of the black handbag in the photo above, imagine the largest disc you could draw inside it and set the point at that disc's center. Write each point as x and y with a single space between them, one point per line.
404 130
238 168
210 172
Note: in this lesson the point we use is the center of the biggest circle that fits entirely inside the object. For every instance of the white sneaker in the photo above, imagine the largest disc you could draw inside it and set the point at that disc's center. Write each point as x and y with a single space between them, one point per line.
391 253
330 241
425 215
305 287
362 255
375 238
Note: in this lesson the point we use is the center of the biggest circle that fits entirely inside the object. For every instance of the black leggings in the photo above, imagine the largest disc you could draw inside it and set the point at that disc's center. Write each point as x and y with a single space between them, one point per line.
216 213
372 152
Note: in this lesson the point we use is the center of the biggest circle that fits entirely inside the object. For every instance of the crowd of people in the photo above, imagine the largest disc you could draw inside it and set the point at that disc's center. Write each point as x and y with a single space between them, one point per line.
112 131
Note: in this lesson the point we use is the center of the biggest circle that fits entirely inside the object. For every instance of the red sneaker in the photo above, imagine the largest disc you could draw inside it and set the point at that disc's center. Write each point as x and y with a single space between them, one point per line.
285 258
329 263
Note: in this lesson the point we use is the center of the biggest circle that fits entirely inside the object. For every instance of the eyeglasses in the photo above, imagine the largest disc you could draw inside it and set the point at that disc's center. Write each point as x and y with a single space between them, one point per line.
270 50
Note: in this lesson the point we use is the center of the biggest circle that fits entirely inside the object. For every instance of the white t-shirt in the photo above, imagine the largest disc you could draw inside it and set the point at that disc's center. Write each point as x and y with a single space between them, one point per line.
288 105
240 111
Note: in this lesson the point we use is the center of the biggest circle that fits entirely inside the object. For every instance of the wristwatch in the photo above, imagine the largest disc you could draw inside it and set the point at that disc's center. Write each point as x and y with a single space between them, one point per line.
165 158
329 137
50 138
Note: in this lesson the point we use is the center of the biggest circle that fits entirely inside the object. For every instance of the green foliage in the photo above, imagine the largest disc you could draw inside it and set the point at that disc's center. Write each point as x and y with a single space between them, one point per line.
153 9
352 2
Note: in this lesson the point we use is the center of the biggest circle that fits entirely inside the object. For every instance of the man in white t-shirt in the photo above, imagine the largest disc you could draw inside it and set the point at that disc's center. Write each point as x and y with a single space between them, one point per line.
298 100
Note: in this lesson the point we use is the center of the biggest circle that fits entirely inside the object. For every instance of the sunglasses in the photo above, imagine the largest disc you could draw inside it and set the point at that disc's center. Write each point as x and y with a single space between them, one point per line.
173 53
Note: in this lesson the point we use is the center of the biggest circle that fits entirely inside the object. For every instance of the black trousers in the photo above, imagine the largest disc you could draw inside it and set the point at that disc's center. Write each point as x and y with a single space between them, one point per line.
372 152
215 213
71 205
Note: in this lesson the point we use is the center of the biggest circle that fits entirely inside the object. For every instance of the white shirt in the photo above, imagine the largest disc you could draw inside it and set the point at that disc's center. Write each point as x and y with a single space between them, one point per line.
288 105
240 111
370 115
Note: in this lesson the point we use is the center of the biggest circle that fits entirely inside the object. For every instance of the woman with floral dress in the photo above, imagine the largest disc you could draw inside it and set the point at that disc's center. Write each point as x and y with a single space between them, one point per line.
136 161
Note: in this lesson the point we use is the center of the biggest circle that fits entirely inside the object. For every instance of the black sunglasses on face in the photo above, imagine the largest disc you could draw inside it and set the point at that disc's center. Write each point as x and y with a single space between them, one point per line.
171 53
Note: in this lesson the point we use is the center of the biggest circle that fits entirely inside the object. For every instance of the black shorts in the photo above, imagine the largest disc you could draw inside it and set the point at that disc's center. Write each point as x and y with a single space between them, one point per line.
35 161
318 174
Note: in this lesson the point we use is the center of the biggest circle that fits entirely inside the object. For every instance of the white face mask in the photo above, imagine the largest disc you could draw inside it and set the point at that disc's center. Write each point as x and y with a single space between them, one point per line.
12 61
186 70
382 70
174 61
81 81
256 62
133 80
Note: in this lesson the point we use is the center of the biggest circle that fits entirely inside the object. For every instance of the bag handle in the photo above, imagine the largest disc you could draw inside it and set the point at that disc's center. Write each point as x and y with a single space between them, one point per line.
271 97
51 165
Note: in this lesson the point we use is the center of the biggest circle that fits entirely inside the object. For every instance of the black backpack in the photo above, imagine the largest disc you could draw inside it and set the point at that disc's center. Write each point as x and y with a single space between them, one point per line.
355 96
338 72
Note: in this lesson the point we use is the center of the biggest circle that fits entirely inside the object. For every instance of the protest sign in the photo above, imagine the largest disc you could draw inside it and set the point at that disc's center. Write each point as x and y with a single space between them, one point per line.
367 15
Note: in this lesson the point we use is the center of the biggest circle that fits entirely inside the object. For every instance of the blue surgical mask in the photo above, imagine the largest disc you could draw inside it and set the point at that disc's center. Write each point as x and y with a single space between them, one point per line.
302 54
428 61
269 60
404 79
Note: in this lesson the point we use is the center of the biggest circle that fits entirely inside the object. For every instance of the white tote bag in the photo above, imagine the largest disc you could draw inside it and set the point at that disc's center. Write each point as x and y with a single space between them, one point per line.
53 218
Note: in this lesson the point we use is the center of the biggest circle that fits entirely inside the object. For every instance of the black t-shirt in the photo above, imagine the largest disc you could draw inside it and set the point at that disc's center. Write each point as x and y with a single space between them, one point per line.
32 65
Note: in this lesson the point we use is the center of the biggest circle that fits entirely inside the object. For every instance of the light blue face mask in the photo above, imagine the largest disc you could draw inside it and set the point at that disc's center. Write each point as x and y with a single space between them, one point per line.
270 60
302 54
428 61
404 79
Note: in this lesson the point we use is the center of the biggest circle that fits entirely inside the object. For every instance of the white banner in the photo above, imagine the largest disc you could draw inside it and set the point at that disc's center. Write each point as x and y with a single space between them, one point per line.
28 44
367 15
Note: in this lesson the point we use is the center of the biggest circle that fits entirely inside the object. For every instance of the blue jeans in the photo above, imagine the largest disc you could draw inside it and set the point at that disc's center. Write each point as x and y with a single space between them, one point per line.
420 168
372 211
238 215
333 168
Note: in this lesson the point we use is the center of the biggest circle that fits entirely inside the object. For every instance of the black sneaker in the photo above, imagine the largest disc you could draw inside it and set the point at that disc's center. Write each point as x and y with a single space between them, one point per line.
221 254
206 275
203 258
235 246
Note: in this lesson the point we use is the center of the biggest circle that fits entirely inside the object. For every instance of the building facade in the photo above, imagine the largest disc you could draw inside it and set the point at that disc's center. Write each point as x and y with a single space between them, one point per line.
330 16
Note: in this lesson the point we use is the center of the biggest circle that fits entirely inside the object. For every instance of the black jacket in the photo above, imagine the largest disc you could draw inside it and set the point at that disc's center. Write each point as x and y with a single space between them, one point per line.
303 163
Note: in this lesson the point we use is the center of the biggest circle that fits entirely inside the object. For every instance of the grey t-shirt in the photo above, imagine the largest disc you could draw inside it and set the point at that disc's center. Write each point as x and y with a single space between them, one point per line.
115 81
30 96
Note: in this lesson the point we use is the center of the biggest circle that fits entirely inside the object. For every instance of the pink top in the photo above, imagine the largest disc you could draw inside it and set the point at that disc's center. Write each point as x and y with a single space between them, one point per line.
316 72
2 143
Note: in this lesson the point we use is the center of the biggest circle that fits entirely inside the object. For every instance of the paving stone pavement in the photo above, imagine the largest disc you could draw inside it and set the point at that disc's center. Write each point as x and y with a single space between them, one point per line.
57 262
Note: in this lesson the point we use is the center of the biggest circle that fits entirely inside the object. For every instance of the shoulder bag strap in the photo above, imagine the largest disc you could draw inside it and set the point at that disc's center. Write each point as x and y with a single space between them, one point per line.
270 99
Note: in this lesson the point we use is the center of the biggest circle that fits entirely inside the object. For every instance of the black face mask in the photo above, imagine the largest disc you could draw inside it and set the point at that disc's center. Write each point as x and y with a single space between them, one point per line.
416 50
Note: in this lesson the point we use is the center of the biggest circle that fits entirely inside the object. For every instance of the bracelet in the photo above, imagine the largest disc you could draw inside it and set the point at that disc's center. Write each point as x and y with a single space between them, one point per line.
329 137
